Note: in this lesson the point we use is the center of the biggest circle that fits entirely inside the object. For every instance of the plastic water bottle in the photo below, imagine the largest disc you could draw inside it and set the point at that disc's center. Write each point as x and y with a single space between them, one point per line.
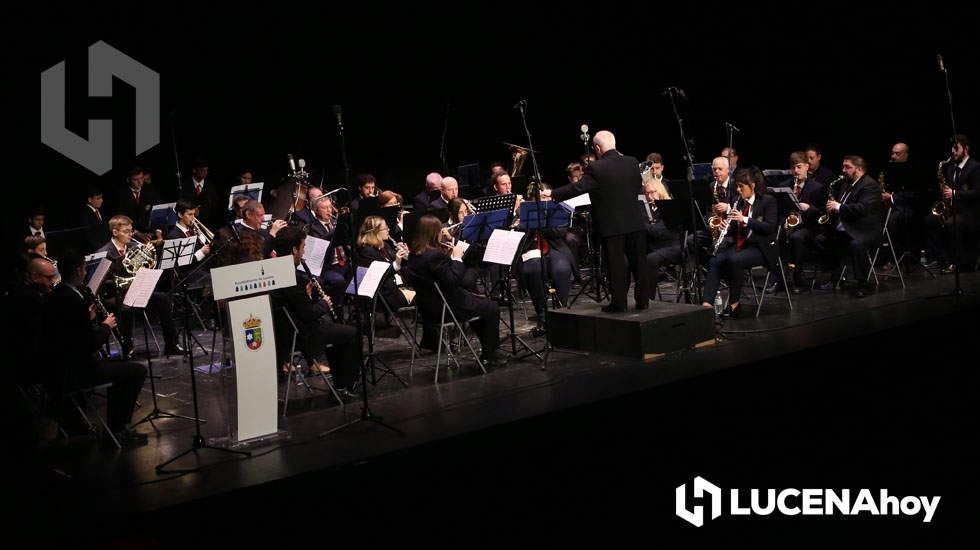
719 305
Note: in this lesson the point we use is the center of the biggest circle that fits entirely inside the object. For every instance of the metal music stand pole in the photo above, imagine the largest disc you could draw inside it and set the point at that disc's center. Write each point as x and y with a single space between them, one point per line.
957 289
672 92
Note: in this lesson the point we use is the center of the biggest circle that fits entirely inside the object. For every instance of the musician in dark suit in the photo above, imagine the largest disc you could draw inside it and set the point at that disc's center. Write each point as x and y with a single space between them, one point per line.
663 244
614 182
69 320
903 183
857 217
202 191
374 244
956 240
311 313
35 224
532 255
121 228
433 184
818 171
428 265
750 239
93 220
252 216
336 270
136 200
813 198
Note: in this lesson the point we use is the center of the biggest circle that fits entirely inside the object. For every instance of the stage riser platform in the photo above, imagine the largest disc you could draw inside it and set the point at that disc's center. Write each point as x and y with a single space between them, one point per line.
662 328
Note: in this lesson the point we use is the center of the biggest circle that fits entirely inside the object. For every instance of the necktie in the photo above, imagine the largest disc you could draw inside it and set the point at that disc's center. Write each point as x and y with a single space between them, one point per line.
740 241
197 189
542 244
98 215
187 233
956 174
136 195
340 257
122 251
799 190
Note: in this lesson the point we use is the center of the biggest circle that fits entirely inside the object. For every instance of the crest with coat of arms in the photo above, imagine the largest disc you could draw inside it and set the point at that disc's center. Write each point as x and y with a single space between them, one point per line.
253 333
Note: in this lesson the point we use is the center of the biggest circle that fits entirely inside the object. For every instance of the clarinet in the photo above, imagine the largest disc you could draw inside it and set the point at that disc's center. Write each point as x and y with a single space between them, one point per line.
318 292
724 231
101 310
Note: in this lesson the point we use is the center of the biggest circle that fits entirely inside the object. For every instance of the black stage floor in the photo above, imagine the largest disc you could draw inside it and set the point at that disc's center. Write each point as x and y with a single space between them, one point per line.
823 393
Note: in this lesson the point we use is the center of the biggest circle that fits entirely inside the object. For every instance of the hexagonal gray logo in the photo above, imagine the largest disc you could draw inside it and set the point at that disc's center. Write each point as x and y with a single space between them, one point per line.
104 62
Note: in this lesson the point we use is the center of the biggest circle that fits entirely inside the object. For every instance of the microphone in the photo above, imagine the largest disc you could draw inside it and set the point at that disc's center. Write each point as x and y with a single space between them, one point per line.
340 119
732 127
939 61
302 163
675 90
292 164
520 104
585 132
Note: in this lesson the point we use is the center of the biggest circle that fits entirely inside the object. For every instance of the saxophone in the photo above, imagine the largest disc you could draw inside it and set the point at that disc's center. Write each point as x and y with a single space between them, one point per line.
831 191
942 207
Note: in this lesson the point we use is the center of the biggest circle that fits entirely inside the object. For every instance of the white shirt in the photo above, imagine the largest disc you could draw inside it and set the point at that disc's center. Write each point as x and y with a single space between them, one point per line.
36 232
198 184
199 255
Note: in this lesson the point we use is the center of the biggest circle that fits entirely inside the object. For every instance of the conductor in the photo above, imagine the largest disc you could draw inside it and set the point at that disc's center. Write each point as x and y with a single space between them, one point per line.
614 182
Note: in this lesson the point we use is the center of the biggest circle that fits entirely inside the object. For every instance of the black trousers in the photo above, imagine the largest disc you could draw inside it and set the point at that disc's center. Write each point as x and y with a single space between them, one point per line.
344 356
853 253
956 241
627 253
127 380
159 303
730 264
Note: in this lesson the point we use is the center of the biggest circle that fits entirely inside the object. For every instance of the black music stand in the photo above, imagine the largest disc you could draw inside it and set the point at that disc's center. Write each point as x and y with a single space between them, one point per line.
371 359
676 215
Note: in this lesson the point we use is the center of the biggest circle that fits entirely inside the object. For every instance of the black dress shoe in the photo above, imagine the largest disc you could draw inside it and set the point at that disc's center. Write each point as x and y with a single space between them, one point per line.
731 312
496 358
613 309
800 289
173 349
863 291
774 288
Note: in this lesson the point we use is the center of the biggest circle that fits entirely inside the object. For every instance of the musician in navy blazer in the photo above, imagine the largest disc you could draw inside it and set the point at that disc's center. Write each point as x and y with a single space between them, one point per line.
428 265
956 240
749 241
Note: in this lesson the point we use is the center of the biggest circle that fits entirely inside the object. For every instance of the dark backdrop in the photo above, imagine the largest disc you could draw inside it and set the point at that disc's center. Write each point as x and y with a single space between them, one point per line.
245 86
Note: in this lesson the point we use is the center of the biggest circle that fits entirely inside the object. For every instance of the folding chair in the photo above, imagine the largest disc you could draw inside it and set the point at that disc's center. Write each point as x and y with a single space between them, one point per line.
887 243
760 297
445 340
79 396
294 369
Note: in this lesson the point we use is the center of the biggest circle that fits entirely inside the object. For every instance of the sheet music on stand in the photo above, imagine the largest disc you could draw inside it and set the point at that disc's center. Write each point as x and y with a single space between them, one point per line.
495 202
142 287
163 216
177 252
369 284
250 190
478 227
645 207
98 275
577 202
552 215
314 254
266 221
359 277
786 199
502 246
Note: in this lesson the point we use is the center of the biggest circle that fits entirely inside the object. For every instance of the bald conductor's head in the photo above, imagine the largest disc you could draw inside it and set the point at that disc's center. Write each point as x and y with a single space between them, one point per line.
604 140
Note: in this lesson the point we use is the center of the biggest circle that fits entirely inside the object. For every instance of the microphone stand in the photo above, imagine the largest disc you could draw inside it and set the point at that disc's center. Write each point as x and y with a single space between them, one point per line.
173 139
343 145
366 414
957 289
198 441
442 147
696 276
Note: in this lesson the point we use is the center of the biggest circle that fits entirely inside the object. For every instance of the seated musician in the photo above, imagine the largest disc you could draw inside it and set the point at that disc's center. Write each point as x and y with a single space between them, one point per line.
119 246
749 240
93 220
433 188
559 267
70 320
336 272
723 193
186 227
311 313
857 216
367 187
953 240
663 244
375 245
431 262
252 216
901 183
802 240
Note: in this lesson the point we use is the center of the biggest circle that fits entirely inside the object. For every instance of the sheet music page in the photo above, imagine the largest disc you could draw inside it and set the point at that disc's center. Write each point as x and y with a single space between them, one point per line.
266 220
246 189
502 246
372 279
142 287
171 247
314 254
582 200
99 274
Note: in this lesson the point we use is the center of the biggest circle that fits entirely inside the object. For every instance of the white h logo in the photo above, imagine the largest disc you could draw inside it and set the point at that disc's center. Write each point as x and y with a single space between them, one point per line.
701 486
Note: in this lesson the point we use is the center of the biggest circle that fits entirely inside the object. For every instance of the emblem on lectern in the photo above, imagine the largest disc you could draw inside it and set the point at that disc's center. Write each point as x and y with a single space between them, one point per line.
253 333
